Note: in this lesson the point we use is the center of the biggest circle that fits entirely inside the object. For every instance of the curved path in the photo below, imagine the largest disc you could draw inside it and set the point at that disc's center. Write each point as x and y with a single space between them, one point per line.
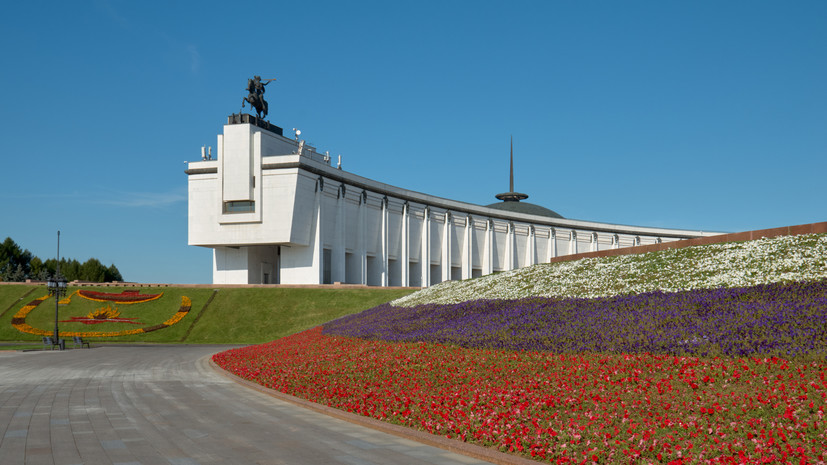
166 405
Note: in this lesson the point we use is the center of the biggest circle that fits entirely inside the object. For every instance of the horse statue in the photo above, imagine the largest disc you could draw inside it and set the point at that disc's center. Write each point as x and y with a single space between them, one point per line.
255 95
256 102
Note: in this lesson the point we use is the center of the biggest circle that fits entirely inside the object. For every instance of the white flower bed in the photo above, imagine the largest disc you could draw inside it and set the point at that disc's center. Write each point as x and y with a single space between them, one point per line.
733 264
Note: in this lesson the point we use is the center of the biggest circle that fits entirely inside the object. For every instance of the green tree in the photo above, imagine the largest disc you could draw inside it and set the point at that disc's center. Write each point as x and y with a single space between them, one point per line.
50 265
42 275
18 274
93 270
36 267
70 269
17 264
112 274
14 261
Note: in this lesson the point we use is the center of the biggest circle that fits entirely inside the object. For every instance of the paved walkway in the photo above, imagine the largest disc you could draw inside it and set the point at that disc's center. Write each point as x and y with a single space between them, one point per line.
165 405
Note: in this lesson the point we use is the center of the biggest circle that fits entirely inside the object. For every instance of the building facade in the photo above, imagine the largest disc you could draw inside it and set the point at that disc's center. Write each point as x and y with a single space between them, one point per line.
275 211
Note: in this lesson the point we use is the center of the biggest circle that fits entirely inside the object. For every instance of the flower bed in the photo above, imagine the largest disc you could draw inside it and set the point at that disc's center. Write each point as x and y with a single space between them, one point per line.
125 297
711 375
102 315
604 407
781 319
733 264
19 322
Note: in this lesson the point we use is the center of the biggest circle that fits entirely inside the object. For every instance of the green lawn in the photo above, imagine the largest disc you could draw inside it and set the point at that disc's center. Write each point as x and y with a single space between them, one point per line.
259 315
222 316
12 297
7 346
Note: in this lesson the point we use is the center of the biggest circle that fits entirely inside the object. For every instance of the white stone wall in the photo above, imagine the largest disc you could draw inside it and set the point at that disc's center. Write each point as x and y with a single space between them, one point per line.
313 223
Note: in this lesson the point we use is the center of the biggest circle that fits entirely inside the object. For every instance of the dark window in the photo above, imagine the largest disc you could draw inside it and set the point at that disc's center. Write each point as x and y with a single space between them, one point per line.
327 265
239 206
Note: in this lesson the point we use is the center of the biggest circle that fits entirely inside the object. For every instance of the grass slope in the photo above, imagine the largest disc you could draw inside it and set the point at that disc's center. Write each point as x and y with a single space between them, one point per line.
225 316
260 315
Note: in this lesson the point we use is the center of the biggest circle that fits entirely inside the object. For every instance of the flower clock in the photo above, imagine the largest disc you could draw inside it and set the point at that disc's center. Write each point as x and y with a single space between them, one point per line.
85 309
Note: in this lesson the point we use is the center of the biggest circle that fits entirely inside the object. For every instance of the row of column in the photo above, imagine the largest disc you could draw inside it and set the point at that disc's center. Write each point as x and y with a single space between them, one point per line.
339 259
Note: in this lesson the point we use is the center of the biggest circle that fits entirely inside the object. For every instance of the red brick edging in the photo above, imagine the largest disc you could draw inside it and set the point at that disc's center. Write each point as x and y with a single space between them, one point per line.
812 228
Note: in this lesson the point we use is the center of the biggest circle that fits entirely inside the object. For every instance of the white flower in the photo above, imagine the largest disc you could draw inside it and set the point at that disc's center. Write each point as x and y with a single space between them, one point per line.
733 264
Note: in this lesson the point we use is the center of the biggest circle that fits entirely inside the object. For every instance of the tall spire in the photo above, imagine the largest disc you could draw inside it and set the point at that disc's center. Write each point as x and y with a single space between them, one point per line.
511 176
511 196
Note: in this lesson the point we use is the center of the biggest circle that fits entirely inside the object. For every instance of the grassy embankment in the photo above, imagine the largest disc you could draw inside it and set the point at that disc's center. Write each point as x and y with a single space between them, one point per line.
225 316
255 315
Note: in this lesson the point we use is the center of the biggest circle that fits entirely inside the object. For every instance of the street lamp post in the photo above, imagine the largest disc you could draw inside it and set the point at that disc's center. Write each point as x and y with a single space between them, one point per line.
57 288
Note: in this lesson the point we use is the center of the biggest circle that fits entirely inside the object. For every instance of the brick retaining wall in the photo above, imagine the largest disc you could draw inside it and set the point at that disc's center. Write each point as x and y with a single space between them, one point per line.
812 228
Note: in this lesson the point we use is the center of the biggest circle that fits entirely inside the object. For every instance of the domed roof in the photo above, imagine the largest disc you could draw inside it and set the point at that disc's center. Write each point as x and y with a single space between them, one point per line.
511 201
524 207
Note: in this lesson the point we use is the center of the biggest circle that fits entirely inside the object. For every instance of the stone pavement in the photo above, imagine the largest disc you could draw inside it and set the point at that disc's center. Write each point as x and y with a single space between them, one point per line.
151 405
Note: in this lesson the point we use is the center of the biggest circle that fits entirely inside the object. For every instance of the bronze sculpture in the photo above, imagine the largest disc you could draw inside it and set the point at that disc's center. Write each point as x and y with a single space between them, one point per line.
255 95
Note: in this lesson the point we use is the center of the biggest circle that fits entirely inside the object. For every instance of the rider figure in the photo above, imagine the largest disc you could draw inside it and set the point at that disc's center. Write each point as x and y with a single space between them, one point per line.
255 89
259 86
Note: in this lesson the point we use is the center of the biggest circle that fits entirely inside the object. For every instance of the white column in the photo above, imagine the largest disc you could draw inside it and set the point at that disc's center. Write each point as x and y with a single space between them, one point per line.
384 239
446 248
572 242
509 248
552 244
530 247
615 241
362 252
425 255
487 253
317 261
467 249
404 247
338 252
593 245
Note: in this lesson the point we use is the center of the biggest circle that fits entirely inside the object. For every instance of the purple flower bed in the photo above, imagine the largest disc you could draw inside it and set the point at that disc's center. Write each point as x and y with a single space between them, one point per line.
787 320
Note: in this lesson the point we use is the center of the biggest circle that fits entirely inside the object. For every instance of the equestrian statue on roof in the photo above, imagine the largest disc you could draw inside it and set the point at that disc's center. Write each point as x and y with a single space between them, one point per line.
255 95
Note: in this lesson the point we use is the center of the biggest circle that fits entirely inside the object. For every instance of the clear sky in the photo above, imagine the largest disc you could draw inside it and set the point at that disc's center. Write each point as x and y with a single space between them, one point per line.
703 115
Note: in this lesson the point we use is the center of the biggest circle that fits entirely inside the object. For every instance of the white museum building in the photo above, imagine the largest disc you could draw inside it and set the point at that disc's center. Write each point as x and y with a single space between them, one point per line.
275 211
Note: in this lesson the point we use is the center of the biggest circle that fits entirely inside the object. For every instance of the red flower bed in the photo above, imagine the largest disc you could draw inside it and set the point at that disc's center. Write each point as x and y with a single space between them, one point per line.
609 408
125 297
94 321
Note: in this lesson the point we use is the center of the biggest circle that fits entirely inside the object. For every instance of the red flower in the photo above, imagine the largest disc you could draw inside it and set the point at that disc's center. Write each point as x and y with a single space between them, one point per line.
558 408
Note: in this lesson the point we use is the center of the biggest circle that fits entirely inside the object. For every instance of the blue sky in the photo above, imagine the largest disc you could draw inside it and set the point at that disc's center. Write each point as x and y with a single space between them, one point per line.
702 115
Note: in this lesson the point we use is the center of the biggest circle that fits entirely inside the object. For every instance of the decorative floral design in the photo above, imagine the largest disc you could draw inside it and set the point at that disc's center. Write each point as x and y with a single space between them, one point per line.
19 319
102 315
19 322
124 298
186 305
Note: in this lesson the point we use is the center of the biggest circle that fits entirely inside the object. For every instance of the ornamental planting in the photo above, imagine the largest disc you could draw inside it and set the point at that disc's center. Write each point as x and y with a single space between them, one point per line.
713 354
733 264
786 320
109 315
560 408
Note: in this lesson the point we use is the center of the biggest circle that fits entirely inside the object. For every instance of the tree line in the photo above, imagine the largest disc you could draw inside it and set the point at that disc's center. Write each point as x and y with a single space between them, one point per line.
17 265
